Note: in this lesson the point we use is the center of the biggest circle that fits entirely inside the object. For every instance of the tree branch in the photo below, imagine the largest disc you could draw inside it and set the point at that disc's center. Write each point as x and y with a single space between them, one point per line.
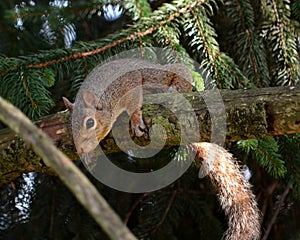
252 113
76 181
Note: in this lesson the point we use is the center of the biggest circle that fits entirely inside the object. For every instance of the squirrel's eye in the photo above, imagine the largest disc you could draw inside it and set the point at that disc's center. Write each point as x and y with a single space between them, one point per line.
90 123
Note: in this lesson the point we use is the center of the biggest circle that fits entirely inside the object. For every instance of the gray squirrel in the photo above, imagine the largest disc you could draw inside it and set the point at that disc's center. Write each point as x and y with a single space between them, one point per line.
98 104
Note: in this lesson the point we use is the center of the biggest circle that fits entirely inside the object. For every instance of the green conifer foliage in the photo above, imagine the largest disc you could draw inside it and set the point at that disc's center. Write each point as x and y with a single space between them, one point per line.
237 43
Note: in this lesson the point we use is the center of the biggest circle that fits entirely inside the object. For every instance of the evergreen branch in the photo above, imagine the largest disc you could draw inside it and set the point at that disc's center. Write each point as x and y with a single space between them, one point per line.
280 34
231 75
133 8
249 52
169 40
139 8
270 158
114 43
296 10
144 8
220 67
204 41
265 151
168 37
28 90
113 40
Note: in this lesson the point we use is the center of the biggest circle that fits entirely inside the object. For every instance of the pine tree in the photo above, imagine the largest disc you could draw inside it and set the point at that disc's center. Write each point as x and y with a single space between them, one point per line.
48 48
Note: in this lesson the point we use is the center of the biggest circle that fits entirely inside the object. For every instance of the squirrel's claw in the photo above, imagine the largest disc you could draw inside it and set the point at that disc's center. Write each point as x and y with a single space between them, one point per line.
139 128
137 124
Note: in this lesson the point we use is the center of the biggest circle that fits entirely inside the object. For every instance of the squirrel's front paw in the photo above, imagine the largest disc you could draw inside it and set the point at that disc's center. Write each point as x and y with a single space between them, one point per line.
139 128
137 124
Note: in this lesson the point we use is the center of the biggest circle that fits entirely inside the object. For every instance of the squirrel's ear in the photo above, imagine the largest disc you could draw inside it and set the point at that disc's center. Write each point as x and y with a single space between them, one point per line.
90 99
68 104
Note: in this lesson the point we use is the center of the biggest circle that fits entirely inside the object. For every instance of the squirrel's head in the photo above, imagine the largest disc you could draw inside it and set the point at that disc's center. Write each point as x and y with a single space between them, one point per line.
92 124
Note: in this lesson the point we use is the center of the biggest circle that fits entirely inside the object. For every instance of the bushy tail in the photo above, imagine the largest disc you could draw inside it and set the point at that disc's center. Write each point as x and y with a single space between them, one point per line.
234 191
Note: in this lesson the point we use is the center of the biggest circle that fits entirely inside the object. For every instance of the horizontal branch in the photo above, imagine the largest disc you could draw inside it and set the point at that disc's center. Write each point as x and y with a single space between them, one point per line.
251 113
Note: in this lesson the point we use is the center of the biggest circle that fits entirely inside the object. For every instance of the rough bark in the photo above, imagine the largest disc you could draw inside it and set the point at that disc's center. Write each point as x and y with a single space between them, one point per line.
251 113
67 171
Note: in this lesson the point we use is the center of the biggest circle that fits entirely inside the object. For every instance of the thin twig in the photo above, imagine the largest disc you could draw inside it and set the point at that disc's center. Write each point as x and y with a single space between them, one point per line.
167 210
134 206
278 207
